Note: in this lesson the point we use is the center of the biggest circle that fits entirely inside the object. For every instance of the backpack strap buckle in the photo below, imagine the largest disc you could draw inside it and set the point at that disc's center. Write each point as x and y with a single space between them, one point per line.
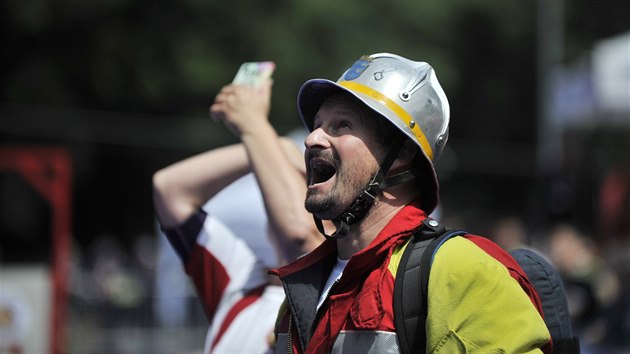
429 229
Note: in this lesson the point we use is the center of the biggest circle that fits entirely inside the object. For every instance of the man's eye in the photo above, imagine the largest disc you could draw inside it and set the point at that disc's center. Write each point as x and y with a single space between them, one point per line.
343 125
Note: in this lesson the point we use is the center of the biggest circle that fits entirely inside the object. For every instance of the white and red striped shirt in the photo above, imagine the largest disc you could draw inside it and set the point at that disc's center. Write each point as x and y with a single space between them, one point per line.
229 274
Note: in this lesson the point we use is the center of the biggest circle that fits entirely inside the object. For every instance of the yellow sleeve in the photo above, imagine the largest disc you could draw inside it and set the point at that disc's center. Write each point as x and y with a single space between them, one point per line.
475 306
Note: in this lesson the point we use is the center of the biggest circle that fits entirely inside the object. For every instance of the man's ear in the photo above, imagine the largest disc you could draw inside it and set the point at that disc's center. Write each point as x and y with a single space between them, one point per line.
406 157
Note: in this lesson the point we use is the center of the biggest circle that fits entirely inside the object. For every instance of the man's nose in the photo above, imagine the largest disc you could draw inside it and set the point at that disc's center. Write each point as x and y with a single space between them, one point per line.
317 139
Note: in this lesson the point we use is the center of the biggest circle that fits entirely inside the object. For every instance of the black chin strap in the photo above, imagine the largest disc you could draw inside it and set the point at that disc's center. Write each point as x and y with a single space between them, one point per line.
359 208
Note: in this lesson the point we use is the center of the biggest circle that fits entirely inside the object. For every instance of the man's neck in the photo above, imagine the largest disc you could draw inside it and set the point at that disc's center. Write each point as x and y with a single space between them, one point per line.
363 233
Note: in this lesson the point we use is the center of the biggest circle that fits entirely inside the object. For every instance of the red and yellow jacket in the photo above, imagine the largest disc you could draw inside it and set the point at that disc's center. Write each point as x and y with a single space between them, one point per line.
474 305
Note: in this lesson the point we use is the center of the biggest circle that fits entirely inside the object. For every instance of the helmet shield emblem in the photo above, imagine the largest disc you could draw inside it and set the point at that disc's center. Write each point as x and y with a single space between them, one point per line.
356 69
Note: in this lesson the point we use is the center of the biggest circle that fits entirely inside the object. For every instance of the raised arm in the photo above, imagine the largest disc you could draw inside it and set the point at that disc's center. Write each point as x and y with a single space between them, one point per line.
180 189
274 161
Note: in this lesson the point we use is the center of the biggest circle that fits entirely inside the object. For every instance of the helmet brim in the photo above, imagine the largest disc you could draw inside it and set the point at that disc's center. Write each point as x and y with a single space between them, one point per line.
311 97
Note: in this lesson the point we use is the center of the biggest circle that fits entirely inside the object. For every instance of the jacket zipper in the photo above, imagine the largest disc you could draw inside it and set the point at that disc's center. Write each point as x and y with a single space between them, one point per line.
289 351
319 312
315 322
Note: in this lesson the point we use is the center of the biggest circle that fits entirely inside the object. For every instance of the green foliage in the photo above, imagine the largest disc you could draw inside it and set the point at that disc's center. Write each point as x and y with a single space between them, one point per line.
171 57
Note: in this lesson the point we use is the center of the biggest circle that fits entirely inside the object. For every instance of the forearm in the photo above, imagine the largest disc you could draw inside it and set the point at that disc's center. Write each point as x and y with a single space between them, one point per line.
283 187
244 110
183 187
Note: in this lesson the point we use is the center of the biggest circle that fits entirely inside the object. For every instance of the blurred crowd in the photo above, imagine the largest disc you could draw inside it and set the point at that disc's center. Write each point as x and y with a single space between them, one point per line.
595 277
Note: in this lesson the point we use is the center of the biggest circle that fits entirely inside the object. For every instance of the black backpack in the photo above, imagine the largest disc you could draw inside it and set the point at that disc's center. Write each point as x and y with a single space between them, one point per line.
412 282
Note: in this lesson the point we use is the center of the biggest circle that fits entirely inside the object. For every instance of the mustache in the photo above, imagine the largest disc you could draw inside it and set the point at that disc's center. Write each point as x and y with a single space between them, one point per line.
323 155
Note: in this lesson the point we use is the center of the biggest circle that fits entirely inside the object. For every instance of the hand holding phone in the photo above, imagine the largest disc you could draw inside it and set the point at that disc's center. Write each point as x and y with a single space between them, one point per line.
245 100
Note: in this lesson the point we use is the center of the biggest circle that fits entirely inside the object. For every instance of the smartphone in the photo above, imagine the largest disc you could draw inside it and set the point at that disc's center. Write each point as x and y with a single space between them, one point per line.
254 73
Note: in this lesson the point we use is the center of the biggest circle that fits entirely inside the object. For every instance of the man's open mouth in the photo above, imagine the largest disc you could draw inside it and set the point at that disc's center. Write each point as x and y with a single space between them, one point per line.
321 171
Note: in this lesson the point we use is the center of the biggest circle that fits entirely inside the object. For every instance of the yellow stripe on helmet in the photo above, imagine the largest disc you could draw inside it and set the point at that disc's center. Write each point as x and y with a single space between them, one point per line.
394 107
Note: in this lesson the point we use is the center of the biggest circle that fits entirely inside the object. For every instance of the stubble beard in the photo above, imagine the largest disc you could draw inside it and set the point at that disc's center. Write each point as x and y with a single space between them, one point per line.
331 204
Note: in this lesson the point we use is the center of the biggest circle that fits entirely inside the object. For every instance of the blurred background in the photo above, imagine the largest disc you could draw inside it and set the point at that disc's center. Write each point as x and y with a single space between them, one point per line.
96 96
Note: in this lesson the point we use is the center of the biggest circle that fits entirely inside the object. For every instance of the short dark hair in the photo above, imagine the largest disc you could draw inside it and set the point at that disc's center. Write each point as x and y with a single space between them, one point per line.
386 132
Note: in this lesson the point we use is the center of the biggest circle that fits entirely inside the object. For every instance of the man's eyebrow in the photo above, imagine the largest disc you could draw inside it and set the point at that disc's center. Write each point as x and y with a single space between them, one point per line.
337 110
347 109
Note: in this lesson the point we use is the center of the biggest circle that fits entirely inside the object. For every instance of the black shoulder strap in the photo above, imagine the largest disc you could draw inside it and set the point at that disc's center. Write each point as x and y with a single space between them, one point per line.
412 282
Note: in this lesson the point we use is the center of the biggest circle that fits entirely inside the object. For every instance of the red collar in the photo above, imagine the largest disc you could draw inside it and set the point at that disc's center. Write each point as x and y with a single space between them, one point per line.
399 227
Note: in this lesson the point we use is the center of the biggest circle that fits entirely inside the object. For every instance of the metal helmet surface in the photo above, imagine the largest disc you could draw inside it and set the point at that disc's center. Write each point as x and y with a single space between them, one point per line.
405 92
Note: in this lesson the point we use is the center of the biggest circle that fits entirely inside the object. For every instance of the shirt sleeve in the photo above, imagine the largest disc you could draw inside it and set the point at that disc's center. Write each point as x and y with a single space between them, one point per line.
182 237
221 266
475 306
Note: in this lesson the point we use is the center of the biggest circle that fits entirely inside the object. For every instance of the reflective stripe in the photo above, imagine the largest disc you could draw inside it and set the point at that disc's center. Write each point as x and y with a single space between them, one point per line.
369 342
394 107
